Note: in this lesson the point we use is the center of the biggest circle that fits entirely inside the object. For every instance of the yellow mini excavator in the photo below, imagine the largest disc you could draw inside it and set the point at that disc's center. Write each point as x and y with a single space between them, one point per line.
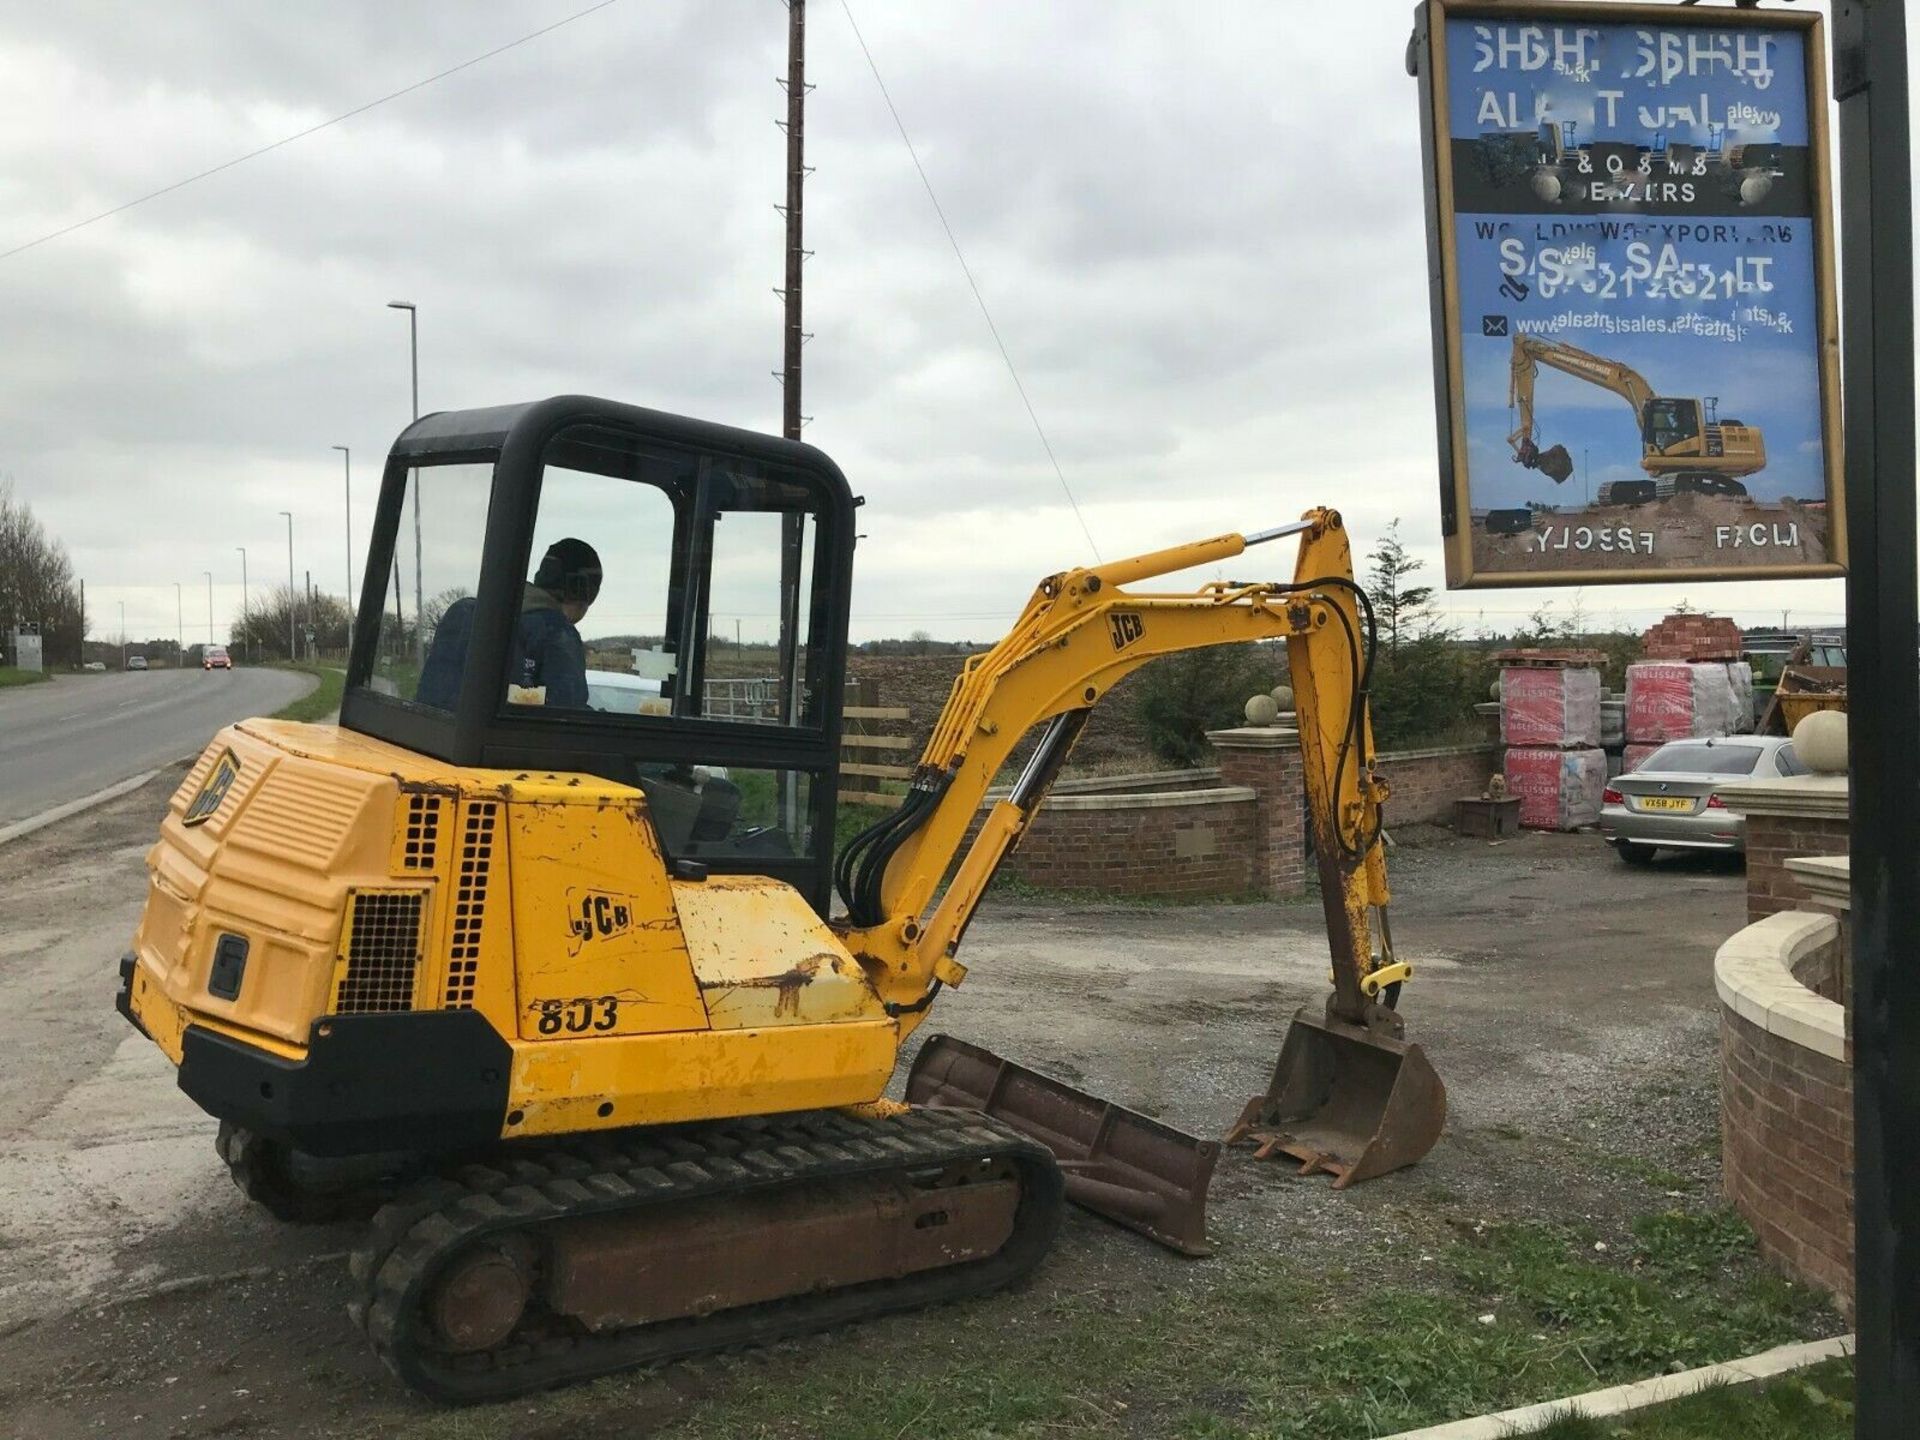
1686 447
537 944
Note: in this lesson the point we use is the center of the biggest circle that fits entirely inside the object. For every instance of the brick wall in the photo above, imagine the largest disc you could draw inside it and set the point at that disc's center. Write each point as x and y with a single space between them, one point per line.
1187 844
1425 783
1786 1130
1772 840
1267 762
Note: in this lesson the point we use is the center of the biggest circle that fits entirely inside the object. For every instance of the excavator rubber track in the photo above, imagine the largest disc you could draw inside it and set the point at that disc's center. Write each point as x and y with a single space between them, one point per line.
408 1272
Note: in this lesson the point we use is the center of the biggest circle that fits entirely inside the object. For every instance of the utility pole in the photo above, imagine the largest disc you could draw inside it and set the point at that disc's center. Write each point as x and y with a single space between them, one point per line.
793 526
293 595
179 627
209 608
347 456
123 635
1876 333
419 593
246 607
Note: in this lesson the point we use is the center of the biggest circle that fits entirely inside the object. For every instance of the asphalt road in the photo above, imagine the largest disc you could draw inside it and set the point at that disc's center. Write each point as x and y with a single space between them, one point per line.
81 733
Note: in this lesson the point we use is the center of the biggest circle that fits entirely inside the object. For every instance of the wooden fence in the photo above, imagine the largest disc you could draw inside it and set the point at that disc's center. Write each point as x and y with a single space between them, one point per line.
870 757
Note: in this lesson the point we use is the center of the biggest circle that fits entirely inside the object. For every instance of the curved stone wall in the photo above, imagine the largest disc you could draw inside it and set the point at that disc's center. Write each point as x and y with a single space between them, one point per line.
1786 1087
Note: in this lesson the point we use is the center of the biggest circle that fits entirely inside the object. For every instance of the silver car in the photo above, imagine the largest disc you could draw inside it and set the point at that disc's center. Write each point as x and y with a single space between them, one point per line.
1671 799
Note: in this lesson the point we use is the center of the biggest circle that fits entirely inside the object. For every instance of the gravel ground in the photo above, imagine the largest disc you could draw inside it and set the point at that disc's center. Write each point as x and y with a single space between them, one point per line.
1566 1000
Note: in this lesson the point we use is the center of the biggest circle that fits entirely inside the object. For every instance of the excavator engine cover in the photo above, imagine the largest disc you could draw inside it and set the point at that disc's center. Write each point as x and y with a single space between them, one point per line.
1117 1162
1347 1100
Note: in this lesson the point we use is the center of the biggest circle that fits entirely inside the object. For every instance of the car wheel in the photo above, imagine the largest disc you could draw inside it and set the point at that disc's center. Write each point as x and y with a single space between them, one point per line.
1635 854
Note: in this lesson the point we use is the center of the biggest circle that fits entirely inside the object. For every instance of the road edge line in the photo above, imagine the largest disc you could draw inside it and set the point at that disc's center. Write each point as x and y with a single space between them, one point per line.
20 829
1639 1395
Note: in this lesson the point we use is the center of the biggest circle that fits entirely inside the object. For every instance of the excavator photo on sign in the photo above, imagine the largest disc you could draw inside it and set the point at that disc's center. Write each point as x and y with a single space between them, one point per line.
1686 447
568 989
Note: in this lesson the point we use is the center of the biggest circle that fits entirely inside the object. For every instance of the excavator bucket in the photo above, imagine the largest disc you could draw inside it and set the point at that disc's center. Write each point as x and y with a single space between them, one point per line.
1116 1162
1347 1101
1555 463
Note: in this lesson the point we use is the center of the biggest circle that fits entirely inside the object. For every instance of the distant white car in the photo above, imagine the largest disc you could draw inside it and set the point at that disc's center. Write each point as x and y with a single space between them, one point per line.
136 662
95 665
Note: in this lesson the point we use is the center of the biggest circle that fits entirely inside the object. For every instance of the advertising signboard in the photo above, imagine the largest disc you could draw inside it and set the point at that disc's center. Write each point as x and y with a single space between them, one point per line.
1635 341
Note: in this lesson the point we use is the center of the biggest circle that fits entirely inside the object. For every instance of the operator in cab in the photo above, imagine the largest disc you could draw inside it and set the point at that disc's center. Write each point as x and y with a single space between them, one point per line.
549 660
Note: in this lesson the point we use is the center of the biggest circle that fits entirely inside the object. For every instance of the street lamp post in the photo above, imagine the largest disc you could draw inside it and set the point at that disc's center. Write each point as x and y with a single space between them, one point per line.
123 635
179 627
246 609
209 575
419 589
346 456
292 652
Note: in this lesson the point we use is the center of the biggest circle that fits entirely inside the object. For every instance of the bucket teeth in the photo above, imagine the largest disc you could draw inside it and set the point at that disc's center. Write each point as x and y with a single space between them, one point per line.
1345 1101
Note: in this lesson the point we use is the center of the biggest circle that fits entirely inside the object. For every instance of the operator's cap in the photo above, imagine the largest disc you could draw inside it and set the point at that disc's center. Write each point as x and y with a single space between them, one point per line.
570 570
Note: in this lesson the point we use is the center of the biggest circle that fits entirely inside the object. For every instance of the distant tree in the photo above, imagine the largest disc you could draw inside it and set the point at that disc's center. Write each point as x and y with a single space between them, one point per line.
37 585
1398 607
1181 697
262 630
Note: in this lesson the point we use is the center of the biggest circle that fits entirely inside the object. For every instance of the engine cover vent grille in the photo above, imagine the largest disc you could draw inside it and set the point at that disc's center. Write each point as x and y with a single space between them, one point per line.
480 819
382 953
418 847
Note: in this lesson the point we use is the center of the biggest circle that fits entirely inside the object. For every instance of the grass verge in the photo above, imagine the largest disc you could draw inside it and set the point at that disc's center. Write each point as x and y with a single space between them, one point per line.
9 677
1815 1404
319 702
1254 1345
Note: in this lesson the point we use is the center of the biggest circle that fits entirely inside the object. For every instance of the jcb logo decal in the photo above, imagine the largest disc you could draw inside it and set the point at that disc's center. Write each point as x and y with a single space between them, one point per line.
596 915
225 771
1125 629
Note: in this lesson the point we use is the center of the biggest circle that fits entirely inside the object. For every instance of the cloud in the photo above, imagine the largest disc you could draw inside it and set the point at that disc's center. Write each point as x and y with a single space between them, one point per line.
1199 231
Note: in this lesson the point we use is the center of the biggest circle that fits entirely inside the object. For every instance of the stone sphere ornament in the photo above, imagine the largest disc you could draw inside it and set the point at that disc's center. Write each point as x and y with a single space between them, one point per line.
1821 740
1546 186
1262 711
1282 696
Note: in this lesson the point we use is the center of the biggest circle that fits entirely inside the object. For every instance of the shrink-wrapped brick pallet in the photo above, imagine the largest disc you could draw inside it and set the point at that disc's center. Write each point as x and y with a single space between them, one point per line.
1558 789
1674 700
1740 678
1557 706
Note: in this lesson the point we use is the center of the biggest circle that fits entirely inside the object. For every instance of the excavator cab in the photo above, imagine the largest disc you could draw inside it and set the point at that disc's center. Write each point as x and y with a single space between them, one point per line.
581 587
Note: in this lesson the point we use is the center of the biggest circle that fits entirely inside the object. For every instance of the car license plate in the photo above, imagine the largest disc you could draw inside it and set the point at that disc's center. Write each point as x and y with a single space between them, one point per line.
1665 802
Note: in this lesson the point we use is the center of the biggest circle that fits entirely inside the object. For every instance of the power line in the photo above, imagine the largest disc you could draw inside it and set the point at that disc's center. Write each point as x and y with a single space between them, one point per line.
303 134
979 299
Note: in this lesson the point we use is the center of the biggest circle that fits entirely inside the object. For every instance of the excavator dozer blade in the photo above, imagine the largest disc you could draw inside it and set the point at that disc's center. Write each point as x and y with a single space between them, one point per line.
1117 1162
1555 463
1346 1101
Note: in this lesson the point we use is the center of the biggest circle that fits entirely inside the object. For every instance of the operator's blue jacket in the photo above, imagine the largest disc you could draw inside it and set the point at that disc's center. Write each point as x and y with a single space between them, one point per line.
547 650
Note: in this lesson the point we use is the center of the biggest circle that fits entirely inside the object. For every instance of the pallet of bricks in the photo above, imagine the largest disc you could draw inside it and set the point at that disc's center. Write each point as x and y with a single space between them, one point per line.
1550 724
1691 685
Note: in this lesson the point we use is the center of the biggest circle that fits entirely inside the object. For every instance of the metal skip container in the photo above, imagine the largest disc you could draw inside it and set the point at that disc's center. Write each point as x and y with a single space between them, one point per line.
1116 1162
1348 1100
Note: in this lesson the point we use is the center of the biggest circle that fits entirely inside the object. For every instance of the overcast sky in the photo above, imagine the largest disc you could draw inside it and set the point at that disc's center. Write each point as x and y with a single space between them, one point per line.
1198 227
